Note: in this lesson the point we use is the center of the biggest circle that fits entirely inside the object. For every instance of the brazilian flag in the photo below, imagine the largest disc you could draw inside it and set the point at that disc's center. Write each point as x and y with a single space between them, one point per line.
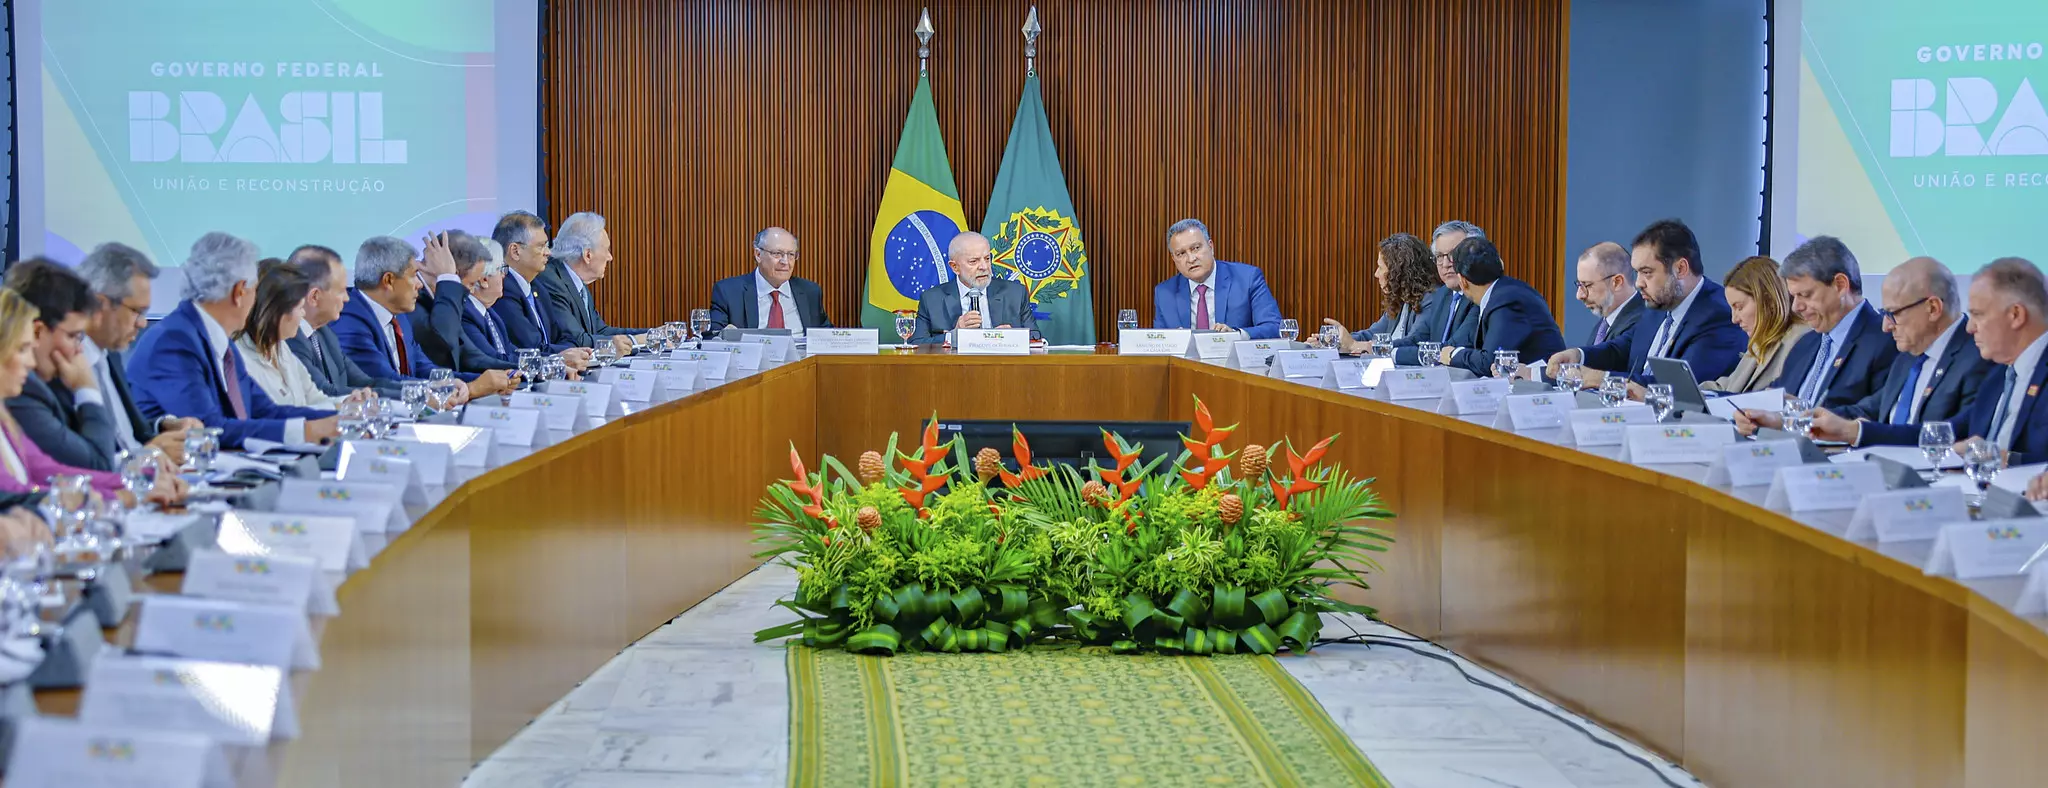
920 215
1032 227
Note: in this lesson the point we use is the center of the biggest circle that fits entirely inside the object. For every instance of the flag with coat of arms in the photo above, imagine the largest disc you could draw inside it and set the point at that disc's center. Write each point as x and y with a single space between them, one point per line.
1033 231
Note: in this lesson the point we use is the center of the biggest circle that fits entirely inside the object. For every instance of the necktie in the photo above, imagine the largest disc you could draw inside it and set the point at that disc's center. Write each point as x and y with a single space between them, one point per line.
1811 389
2012 380
492 326
538 321
1456 301
319 354
230 370
1902 413
775 310
1600 331
1202 307
398 340
1660 343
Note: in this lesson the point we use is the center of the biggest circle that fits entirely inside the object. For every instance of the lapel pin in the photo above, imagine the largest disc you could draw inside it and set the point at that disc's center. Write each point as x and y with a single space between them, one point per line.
2032 390
1838 362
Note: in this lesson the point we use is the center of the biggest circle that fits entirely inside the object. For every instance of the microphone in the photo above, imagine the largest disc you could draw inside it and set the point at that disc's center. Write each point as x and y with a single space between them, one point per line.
974 299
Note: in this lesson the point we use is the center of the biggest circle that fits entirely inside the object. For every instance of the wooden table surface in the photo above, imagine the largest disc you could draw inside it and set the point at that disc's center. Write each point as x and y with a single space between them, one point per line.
1753 649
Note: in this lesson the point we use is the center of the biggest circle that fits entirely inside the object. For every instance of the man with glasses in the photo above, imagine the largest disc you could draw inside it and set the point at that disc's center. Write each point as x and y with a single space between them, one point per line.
1846 356
120 278
772 296
1604 288
1938 370
1448 317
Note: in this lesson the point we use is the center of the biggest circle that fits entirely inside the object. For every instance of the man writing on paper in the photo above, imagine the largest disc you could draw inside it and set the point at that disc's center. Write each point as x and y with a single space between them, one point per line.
2009 318
1512 315
975 298
1209 294
772 296
1448 317
1846 356
1693 321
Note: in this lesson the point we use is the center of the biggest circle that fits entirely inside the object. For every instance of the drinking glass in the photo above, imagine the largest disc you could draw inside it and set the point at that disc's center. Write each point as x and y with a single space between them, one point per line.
200 447
1982 460
1290 329
1661 400
1614 390
1428 352
529 367
67 508
1937 439
1505 362
905 326
441 387
414 392
555 369
1798 416
1127 319
1329 336
350 421
1570 376
700 322
602 355
1383 345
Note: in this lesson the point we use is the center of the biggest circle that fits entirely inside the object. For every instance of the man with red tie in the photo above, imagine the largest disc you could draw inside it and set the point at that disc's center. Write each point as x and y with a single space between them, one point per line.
772 296
1209 294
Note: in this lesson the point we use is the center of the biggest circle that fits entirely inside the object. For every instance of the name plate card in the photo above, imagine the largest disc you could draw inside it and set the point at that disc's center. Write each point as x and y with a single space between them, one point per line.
1663 444
2034 595
472 447
434 462
1414 383
560 412
1825 487
632 385
715 365
678 376
512 426
1753 463
992 341
1540 411
1211 346
1349 375
1907 515
746 357
1605 426
842 342
1987 548
375 507
1255 355
283 580
597 397
1302 364
1467 397
776 349
1154 341
221 631
370 468
333 543
242 705
53 752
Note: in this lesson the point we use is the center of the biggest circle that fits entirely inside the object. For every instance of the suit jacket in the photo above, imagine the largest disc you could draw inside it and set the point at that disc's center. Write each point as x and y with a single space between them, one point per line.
1241 301
174 370
117 371
1442 307
572 316
1388 324
1752 376
437 330
1623 320
1707 340
333 371
938 309
478 329
363 341
734 302
1951 386
525 319
1516 318
1859 368
2030 437
73 434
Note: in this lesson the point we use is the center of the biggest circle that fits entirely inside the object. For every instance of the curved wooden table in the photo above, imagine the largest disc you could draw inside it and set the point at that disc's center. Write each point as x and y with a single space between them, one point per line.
1753 649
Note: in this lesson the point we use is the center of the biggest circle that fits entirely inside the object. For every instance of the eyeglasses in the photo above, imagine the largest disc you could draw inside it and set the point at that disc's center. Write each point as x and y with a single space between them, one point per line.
132 307
784 256
1892 315
1585 285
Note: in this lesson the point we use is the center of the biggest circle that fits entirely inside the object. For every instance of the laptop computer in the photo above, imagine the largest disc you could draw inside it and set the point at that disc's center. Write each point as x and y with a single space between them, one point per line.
1685 389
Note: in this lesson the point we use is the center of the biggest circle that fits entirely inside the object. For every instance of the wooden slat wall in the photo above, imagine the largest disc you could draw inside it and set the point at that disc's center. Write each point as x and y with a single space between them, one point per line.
1301 132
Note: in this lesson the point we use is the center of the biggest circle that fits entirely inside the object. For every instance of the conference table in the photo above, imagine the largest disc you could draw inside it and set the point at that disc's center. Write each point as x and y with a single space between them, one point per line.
1753 647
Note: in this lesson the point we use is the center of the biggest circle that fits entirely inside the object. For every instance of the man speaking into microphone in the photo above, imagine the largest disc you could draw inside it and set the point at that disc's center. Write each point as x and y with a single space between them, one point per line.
975 298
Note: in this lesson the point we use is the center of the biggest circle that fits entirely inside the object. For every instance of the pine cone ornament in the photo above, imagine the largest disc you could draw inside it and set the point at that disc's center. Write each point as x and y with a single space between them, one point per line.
1094 493
1230 508
1251 464
869 518
872 469
987 462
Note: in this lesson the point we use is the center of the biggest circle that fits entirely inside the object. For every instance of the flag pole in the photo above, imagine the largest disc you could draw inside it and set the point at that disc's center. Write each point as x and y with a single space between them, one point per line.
924 38
1031 31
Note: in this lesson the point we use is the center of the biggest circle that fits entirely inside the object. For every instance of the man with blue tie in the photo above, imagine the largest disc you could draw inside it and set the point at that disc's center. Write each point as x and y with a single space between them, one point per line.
1448 318
1512 315
187 365
2009 318
1690 321
471 354
1936 374
581 255
480 326
1212 295
370 329
523 311
1846 356
771 295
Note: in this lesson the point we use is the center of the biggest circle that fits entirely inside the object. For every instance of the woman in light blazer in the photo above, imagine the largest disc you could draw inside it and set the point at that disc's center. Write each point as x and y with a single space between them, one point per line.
1759 303
281 290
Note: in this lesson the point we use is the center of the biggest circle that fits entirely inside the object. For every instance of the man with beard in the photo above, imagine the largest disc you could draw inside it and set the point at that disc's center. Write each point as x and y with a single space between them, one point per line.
1692 323
975 298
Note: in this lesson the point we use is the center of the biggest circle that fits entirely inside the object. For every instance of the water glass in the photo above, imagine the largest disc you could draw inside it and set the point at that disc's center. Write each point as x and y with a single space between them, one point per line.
1937 440
1570 376
1982 460
414 393
1505 363
1329 336
1429 352
200 447
1614 390
1383 345
905 326
700 322
602 354
1798 417
1661 400
1127 319
555 368
1290 329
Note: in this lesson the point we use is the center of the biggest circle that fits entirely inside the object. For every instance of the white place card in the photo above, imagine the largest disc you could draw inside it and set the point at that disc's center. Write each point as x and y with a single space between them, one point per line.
1663 444
1153 341
560 412
375 507
1304 365
1752 463
746 357
1255 355
597 397
631 385
222 631
1409 383
992 341
472 447
679 376
512 426
332 542
150 527
1349 375
371 468
1605 426
1211 346
242 705
54 752
434 462
1823 487
1770 400
842 342
1907 515
776 349
1540 411
1468 397
715 365
2034 595
282 580
1987 548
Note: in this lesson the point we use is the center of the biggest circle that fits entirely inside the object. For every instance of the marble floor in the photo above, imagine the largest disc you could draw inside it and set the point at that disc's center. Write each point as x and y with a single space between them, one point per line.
696 703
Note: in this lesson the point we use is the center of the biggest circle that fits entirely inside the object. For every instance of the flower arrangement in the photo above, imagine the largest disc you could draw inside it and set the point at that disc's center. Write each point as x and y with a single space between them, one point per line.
1222 552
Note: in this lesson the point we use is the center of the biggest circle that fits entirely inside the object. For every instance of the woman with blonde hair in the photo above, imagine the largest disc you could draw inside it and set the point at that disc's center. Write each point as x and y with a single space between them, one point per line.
1759 303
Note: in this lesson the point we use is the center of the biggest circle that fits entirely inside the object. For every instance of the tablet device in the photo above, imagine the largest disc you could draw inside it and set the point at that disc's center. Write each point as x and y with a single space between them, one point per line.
1685 389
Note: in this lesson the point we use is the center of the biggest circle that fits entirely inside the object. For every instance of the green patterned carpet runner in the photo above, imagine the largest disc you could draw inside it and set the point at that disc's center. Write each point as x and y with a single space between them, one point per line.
1065 716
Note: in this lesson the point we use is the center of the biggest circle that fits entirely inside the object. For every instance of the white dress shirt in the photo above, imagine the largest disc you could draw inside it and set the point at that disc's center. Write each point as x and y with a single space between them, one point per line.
218 345
1194 300
1836 342
762 303
1458 357
2023 369
1615 313
124 430
286 382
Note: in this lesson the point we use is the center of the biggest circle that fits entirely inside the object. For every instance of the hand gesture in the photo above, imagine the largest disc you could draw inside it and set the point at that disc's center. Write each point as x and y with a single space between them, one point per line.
435 260
75 372
968 320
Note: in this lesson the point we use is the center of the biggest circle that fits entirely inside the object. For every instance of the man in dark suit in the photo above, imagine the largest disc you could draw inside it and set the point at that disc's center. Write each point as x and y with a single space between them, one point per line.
187 365
443 330
1512 315
1448 318
1690 319
1935 376
1208 294
480 326
581 253
121 279
1604 288
1846 356
2009 319
60 406
772 296
522 312
370 330
316 344
974 299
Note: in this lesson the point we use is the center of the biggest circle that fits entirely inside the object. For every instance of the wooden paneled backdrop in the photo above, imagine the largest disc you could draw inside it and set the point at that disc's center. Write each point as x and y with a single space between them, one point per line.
1301 132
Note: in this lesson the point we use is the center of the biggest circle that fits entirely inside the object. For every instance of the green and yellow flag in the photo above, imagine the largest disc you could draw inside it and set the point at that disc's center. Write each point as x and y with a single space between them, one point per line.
1031 225
920 215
